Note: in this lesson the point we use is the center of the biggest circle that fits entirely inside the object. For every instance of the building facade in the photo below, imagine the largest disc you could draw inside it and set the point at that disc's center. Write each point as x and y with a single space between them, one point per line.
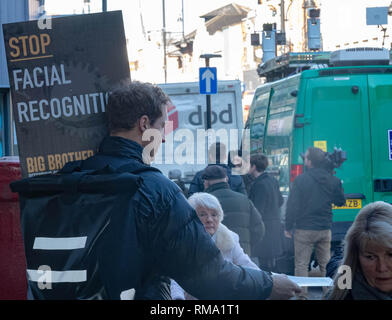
11 11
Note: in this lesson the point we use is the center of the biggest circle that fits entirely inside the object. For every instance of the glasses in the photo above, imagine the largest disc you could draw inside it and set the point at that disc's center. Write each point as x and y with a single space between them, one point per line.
205 215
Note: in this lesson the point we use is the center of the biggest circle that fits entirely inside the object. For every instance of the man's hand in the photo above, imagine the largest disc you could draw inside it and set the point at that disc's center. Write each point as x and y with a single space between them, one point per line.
288 234
283 288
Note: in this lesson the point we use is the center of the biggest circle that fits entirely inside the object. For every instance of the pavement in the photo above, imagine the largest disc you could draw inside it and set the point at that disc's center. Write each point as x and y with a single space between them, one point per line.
315 293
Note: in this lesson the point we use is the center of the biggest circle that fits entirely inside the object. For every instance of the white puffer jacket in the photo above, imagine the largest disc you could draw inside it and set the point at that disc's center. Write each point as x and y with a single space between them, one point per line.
228 243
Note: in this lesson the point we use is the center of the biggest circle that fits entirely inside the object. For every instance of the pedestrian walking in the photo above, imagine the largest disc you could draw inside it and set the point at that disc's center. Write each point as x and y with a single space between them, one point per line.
241 216
248 181
217 155
309 212
266 196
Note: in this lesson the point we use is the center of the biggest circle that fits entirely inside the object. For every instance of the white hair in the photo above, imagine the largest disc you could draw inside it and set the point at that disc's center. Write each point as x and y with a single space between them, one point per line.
206 200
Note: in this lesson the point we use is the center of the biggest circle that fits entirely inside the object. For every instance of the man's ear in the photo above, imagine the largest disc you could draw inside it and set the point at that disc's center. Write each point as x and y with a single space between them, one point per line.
144 123
206 185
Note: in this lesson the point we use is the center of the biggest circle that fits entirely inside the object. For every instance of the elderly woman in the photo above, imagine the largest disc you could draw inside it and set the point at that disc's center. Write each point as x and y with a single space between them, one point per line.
210 213
368 256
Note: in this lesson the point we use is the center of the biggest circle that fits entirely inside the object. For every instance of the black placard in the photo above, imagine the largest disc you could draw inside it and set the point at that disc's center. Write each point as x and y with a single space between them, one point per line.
60 79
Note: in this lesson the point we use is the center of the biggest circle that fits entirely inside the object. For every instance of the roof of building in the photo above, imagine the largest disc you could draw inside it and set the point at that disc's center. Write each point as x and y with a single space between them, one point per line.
216 20
225 16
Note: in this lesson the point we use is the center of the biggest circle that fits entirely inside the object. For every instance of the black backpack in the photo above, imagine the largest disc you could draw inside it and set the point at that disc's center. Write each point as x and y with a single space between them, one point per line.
79 233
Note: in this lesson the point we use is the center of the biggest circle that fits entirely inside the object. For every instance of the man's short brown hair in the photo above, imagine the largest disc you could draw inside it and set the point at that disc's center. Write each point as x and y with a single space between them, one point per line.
130 101
316 156
260 161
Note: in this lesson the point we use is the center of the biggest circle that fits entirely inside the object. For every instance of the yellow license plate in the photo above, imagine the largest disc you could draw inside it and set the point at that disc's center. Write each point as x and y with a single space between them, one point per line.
350 204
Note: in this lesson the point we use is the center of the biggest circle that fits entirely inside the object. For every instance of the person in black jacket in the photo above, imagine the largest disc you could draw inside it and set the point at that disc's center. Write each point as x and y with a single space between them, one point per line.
217 156
171 238
240 215
266 196
309 212
334 263
175 176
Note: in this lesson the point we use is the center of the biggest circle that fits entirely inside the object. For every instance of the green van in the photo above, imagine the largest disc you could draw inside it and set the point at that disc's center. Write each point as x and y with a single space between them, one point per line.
347 107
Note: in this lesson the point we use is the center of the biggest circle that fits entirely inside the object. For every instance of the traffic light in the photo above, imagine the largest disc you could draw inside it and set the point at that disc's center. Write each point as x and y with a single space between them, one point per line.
255 39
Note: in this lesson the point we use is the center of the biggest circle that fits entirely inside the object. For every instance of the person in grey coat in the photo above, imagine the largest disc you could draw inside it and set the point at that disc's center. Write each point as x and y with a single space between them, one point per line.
241 216
267 198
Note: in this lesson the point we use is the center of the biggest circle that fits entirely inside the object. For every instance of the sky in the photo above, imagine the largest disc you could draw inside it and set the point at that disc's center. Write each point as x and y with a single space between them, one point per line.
340 19
345 20
151 11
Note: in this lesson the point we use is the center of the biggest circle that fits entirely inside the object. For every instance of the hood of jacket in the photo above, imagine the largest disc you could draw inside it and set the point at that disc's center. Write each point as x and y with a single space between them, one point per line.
116 152
225 238
322 177
261 177
217 186
121 147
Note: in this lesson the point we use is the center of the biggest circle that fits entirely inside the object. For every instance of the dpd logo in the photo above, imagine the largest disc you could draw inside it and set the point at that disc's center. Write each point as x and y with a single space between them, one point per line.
173 118
198 117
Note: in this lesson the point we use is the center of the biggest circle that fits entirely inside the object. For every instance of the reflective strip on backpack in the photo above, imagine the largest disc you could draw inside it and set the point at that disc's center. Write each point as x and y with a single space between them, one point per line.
70 243
128 294
49 276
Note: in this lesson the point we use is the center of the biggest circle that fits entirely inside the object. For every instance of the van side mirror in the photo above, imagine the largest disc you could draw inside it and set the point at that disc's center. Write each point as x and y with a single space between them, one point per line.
294 93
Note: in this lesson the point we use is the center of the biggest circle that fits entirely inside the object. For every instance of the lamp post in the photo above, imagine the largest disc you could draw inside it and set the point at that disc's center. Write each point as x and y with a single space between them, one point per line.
164 40
207 58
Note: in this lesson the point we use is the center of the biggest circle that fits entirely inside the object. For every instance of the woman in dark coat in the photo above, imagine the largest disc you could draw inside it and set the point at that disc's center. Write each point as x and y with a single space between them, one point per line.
266 197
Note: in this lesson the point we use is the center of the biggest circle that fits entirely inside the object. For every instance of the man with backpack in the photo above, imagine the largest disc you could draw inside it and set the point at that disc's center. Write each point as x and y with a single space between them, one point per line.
165 238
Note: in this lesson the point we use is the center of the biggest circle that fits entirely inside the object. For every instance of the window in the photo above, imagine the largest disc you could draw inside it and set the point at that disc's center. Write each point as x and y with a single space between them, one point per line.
8 143
279 131
257 122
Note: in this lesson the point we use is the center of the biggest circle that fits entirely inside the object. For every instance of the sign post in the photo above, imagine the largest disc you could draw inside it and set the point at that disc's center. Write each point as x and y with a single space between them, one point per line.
208 83
60 80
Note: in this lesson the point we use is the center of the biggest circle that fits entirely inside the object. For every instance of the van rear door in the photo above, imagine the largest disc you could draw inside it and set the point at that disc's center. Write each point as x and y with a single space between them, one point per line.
380 101
336 114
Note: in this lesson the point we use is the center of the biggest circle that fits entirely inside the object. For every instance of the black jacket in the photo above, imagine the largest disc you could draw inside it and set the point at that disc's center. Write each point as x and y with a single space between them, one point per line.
267 198
248 182
235 181
309 203
173 240
335 261
240 216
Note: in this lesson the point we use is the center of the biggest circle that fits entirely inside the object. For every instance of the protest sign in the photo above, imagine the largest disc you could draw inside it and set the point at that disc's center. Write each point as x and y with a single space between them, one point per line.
60 78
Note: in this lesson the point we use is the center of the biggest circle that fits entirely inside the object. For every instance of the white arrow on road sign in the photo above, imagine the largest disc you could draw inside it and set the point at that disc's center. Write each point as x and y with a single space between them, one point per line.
208 75
208 80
